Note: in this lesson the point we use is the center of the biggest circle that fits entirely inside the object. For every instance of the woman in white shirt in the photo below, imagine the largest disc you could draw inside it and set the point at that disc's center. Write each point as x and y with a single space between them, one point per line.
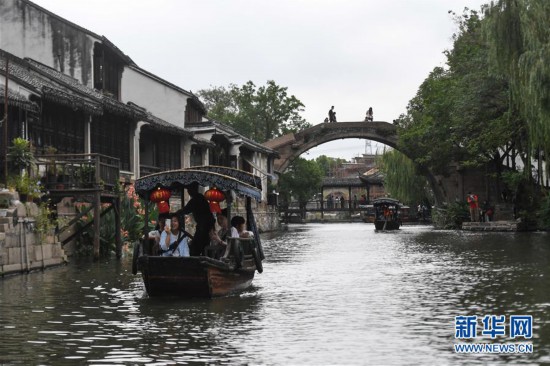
173 240
237 227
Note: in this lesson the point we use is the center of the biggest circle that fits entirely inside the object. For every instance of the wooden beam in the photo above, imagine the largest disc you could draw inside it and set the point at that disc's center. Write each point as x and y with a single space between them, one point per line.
84 227
118 238
97 223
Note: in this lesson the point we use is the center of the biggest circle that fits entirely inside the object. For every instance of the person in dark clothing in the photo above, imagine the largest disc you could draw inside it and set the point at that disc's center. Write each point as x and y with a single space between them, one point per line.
199 207
370 115
331 115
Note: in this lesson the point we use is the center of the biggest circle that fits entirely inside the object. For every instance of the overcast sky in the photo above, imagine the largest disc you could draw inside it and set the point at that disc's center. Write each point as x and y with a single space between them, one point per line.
353 54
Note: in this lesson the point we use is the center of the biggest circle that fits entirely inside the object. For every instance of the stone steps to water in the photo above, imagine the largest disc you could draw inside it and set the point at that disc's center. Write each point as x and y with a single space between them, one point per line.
491 226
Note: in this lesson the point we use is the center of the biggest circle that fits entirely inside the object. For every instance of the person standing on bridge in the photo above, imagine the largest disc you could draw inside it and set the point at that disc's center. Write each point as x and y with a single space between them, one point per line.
331 115
369 117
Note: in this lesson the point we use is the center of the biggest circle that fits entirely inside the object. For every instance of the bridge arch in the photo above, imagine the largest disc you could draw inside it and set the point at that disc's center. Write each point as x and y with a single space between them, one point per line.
291 146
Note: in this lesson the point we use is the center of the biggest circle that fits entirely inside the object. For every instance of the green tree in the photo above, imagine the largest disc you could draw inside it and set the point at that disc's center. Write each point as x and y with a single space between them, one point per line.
220 103
401 178
460 113
260 113
328 164
519 35
301 181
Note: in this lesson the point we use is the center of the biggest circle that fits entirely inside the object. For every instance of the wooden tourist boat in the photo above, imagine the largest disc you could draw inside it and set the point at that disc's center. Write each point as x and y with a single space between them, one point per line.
201 276
386 214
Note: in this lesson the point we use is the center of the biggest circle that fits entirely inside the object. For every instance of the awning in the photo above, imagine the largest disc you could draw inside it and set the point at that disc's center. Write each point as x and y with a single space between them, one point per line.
179 179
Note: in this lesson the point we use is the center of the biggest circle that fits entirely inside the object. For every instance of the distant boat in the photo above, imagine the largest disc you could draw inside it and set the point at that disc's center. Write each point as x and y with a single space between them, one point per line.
201 276
386 214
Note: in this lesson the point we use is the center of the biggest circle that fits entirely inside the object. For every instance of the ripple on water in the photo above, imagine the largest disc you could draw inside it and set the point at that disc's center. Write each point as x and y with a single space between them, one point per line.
329 294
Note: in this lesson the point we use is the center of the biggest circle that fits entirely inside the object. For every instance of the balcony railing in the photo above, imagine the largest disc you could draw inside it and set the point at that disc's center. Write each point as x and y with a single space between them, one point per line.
79 171
148 169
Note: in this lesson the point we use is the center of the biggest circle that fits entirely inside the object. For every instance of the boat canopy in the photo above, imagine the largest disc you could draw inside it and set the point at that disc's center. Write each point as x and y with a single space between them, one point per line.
386 201
223 178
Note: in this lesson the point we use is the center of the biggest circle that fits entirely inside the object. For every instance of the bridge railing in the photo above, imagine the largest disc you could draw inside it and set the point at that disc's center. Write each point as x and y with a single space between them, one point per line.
327 205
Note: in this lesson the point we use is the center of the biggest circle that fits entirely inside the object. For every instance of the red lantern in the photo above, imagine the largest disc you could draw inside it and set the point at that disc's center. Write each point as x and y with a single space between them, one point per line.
214 195
215 207
163 206
159 195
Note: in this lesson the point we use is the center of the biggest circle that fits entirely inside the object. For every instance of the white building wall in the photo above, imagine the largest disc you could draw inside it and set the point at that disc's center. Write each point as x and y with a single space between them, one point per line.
159 99
26 31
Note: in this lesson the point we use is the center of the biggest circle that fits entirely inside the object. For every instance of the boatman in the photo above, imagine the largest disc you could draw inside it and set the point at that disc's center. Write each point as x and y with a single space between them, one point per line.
199 207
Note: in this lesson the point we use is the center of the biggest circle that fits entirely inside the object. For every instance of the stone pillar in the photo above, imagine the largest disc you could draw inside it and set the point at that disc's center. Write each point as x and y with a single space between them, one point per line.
185 152
134 149
236 153
206 156
88 134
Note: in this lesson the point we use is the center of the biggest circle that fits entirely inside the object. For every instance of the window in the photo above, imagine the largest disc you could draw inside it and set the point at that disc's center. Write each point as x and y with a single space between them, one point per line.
60 127
159 150
111 137
107 70
196 156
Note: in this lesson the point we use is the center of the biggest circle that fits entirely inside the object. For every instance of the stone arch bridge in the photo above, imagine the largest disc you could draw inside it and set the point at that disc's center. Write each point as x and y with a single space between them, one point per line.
293 145
452 186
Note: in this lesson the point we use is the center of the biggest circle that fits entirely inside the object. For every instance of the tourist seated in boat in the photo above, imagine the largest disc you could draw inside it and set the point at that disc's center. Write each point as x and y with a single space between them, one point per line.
155 234
174 241
388 214
238 228
218 240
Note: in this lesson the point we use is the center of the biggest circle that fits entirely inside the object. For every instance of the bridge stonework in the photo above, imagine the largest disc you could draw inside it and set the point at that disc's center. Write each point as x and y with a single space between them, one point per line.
449 188
291 146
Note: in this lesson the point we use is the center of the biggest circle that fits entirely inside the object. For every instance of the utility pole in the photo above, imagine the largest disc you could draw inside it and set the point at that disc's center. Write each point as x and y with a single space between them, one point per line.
5 124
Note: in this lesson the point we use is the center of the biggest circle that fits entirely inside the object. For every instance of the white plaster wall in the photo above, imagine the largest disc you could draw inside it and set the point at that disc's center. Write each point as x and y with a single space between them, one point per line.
159 99
25 37
28 32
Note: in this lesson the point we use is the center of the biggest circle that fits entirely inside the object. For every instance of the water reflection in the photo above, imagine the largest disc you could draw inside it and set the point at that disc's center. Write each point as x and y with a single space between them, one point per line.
329 294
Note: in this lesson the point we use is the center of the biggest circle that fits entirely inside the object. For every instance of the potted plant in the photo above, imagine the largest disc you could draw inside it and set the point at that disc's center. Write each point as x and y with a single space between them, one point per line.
27 187
20 155
85 175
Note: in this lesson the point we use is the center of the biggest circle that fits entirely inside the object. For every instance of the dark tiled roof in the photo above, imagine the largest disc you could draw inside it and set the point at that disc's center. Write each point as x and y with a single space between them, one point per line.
110 104
230 133
373 176
23 73
62 97
18 100
167 126
203 142
59 88
64 79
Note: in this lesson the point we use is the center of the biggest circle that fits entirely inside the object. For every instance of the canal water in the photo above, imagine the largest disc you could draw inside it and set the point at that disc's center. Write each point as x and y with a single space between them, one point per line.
329 294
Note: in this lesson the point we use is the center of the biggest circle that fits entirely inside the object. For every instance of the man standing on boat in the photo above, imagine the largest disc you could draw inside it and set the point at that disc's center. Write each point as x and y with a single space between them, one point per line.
199 207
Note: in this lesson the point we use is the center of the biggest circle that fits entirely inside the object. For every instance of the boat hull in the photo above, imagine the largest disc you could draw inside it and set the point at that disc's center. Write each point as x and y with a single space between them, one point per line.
386 225
189 277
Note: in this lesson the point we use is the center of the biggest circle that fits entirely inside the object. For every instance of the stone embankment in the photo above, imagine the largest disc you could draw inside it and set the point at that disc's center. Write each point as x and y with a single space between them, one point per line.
491 226
21 246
